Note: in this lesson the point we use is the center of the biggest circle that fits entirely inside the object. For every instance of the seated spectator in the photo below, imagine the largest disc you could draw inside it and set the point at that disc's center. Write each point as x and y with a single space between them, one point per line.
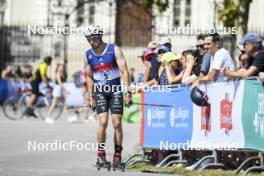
252 44
220 59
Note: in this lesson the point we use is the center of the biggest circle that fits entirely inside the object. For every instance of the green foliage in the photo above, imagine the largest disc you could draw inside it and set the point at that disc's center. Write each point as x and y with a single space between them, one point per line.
229 13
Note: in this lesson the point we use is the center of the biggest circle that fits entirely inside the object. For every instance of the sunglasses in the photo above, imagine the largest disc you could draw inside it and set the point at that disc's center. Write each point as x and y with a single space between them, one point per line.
200 46
92 39
207 43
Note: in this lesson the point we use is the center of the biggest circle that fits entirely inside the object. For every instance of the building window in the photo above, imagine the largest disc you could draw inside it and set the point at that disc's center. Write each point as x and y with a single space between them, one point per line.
182 12
91 14
187 12
80 13
177 12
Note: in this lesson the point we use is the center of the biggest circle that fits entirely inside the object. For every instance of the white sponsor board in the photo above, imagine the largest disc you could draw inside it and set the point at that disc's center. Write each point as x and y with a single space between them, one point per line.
225 129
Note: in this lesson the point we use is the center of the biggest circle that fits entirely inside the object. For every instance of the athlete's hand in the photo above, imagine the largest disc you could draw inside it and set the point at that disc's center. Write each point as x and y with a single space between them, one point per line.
128 99
92 104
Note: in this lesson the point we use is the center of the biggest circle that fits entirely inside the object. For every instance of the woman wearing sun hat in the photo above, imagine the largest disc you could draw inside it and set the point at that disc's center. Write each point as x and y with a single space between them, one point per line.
169 72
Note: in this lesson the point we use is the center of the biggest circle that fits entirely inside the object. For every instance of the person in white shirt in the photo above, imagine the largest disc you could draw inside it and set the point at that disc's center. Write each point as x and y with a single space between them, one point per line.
220 59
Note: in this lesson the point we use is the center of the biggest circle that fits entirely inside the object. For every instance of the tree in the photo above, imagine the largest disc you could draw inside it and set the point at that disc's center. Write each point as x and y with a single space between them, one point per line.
234 14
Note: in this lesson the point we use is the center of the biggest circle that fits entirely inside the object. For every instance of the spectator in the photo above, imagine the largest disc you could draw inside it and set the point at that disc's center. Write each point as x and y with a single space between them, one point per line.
152 68
60 78
252 44
201 66
172 67
162 77
221 58
28 73
192 66
7 73
206 56
165 41
152 65
17 72
244 61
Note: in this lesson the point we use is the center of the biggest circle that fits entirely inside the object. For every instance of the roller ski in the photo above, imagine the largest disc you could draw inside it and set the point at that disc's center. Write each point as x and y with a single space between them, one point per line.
103 163
117 164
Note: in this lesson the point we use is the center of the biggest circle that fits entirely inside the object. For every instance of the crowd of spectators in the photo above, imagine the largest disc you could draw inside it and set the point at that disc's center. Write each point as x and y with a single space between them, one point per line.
210 61
15 72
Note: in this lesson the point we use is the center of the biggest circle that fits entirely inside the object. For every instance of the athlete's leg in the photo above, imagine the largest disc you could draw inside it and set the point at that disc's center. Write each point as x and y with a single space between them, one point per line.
102 111
101 132
116 106
117 125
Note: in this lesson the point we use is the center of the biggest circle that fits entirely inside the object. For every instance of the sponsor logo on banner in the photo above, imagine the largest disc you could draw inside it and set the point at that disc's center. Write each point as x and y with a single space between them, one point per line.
206 119
156 118
178 117
172 117
259 116
226 114
149 118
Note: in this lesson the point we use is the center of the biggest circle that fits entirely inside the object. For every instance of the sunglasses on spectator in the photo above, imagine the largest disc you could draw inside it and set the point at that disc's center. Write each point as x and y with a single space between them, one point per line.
207 43
200 46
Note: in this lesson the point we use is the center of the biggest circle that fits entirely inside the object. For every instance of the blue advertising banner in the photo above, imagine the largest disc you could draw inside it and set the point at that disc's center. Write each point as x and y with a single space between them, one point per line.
164 126
3 90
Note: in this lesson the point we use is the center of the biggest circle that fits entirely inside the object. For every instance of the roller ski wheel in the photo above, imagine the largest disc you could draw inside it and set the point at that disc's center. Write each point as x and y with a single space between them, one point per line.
121 167
102 163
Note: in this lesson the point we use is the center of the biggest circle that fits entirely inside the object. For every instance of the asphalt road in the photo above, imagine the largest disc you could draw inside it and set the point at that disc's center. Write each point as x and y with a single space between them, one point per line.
18 139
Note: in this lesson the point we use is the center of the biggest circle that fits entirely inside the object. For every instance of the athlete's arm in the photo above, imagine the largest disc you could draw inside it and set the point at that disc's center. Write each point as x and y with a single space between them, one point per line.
89 80
122 64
